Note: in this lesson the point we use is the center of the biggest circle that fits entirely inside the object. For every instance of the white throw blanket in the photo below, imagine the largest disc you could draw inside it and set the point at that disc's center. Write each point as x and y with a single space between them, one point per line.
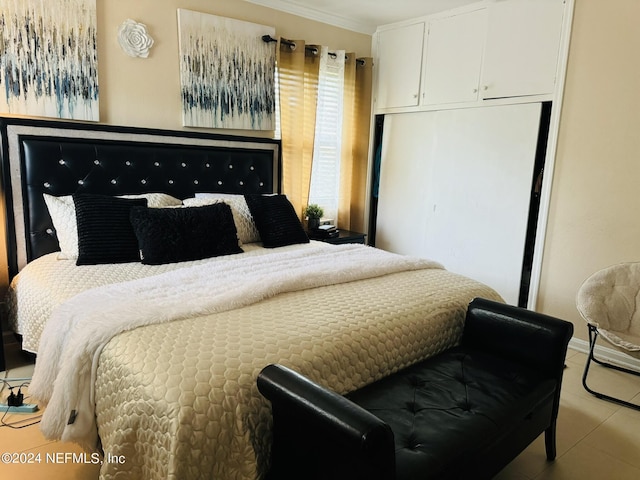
79 329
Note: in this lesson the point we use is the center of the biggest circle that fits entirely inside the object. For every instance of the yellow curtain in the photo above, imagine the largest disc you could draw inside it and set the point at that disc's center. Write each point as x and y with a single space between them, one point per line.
355 143
298 81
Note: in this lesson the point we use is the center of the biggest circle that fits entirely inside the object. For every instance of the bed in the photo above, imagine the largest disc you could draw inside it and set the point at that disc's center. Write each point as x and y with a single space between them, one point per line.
170 387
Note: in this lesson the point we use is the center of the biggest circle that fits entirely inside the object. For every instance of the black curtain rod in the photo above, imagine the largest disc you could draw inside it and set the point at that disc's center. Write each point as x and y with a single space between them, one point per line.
284 41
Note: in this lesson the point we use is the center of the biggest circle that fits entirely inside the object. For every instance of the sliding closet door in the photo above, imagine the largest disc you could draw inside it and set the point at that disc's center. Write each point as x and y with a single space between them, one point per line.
455 187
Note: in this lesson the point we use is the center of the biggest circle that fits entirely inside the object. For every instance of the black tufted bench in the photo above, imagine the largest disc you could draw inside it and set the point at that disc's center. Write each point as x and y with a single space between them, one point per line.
465 413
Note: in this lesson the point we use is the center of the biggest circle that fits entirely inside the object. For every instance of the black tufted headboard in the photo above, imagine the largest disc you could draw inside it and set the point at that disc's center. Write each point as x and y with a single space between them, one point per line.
61 158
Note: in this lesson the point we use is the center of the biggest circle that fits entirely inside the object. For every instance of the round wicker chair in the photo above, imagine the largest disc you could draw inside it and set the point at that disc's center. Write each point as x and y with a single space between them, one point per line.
609 301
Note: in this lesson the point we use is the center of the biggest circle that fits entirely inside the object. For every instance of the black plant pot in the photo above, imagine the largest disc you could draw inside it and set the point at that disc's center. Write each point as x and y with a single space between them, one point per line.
313 223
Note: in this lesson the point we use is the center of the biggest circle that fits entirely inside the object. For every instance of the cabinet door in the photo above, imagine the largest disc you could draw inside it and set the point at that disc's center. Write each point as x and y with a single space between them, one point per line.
522 46
399 65
453 58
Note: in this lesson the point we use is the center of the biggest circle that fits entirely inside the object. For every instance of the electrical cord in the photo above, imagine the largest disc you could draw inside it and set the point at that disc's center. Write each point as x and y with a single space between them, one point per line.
19 423
17 400
4 381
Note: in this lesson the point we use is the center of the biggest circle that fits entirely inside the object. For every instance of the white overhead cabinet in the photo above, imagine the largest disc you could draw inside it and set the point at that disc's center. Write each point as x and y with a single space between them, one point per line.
399 65
453 58
501 49
522 47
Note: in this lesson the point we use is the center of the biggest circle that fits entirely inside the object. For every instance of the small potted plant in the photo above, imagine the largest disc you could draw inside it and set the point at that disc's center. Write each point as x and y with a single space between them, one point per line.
313 213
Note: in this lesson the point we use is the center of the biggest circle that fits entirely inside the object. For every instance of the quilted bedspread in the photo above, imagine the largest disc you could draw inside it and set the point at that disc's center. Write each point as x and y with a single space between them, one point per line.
48 282
179 400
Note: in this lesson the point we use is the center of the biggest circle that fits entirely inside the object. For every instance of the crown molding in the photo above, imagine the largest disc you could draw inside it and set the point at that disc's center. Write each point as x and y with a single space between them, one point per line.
318 15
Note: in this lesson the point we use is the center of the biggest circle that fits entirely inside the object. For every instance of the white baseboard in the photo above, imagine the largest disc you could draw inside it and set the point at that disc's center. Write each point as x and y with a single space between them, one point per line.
607 354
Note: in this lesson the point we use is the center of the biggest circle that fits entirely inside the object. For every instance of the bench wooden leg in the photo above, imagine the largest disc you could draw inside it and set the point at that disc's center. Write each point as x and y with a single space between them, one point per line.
550 441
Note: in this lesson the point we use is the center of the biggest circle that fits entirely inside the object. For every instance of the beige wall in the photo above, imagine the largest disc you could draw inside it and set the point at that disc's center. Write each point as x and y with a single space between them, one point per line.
146 92
595 201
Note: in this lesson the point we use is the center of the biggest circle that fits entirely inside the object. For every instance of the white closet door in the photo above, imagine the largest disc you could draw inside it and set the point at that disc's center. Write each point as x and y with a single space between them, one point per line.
455 187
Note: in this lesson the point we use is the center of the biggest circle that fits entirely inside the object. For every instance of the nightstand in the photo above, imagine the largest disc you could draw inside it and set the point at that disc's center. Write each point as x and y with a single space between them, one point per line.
345 236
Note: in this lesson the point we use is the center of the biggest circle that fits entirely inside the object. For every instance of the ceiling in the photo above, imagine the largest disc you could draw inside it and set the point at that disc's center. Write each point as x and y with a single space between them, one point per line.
361 15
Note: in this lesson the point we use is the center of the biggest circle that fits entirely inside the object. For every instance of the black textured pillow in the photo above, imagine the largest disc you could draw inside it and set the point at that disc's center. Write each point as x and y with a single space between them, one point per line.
276 220
168 235
105 234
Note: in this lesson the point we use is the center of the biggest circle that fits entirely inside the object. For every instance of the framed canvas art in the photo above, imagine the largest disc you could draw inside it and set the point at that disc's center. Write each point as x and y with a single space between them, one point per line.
227 72
49 59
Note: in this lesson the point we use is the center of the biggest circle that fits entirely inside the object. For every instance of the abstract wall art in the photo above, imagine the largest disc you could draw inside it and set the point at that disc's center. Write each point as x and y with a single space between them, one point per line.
48 58
227 72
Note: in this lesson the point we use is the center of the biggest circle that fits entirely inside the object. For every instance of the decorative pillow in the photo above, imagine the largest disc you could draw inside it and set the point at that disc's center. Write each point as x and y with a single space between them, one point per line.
105 234
247 230
276 220
168 235
63 214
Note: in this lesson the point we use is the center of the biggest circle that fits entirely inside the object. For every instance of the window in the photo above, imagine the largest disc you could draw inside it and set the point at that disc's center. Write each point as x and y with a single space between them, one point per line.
324 114
325 170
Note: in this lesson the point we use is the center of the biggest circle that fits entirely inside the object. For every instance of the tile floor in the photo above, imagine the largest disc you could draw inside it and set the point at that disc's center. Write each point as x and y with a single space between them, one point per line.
597 440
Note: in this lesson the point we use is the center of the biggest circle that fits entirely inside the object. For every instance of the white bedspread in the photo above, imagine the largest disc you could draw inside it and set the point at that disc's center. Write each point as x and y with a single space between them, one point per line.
78 330
48 282
179 399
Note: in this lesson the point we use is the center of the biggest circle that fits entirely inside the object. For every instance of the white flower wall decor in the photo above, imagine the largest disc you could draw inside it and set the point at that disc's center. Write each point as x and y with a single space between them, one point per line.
134 39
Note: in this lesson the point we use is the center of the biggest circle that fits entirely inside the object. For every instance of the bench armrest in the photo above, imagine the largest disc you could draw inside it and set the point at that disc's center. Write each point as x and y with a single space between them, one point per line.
323 433
534 339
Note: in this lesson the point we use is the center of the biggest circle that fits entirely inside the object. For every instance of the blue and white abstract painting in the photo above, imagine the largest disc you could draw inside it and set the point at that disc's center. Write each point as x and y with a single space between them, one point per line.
227 72
49 58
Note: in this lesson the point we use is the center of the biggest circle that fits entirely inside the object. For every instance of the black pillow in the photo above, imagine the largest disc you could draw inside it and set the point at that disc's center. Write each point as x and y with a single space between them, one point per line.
276 220
105 234
168 235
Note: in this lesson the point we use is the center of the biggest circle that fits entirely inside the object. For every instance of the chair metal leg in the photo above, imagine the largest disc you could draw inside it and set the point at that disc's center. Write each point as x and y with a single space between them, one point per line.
593 336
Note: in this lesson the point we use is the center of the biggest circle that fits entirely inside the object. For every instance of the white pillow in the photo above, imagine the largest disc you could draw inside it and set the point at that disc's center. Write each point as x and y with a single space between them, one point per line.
63 215
246 227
